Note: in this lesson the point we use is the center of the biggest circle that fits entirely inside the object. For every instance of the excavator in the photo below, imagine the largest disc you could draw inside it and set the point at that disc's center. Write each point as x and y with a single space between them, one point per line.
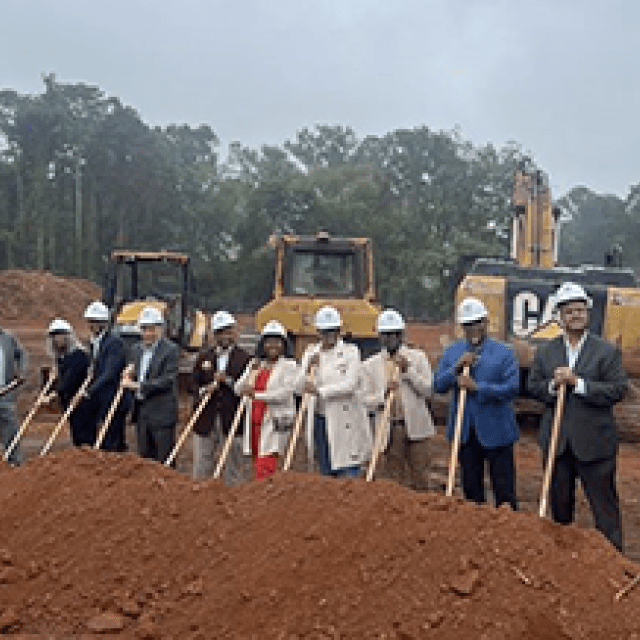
518 292
313 271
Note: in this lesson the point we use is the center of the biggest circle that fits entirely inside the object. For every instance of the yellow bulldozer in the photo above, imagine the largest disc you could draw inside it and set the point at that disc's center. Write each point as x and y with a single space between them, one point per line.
518 292
313 271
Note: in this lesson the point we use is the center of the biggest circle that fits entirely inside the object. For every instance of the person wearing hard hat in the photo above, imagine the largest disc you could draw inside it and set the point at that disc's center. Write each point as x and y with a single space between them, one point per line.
153 379
591 368
489 428
405 372
337 422
218 367
13 369
108 360
270 384
71 361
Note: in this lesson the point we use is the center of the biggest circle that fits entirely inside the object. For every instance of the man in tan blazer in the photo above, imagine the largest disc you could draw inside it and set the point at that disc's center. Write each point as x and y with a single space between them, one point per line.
397 367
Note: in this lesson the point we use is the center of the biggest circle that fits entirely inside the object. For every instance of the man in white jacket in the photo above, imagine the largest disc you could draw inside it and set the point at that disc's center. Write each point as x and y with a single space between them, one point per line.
407 372
337 421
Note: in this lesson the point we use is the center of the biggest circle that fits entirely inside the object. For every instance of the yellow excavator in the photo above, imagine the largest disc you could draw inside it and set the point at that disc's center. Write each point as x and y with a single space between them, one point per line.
313 271
518 292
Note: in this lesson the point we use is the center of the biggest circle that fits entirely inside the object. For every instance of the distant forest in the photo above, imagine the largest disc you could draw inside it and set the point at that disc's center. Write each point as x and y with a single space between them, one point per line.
82 174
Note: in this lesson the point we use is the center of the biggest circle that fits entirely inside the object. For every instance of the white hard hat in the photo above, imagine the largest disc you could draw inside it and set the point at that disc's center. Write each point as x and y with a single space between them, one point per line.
569 292
471 310
327 318
274 328
390 320
97 311
222 320
150 316
59 326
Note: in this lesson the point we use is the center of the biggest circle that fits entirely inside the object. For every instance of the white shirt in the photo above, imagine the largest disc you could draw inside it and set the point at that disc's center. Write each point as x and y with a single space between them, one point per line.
145 361
573 353
223 358
95 344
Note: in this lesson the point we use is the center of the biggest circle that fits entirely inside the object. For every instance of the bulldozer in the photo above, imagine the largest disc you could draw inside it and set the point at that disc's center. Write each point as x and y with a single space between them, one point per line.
518 292
138 279
313 271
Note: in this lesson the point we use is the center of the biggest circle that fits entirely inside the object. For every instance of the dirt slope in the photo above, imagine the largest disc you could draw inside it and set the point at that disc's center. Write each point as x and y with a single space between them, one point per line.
96 543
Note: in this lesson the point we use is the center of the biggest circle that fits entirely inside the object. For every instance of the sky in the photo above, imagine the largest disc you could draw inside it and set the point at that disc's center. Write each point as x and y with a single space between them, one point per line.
559 77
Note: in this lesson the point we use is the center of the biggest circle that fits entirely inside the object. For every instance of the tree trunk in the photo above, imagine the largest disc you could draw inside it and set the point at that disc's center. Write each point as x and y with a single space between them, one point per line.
93 258
78 219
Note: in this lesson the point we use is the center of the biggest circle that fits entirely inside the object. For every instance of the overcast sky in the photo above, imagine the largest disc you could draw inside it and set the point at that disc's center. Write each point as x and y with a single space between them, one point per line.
560 77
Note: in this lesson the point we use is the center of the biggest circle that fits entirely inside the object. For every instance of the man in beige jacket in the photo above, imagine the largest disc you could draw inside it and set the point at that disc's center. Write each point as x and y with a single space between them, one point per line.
337 422
407 372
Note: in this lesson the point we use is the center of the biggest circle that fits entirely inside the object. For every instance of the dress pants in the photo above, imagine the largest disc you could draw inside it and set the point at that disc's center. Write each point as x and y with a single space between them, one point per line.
405 455
599 483
155 443
501 471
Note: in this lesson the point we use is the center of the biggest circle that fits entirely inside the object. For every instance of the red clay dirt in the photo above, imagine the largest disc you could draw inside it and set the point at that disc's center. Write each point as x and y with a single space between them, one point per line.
104 544
38 297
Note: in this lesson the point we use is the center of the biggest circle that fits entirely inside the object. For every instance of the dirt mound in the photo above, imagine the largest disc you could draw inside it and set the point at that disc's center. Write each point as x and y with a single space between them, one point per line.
38 297
99 544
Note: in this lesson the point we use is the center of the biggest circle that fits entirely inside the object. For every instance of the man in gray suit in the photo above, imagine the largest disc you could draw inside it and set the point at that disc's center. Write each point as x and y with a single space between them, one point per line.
153 378
591 369
13 365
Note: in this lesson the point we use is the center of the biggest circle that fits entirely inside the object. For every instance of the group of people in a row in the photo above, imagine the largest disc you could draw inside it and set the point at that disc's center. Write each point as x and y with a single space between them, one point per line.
345 396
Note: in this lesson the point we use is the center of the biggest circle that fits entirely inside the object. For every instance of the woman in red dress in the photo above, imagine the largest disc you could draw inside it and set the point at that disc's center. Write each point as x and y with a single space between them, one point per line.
272 405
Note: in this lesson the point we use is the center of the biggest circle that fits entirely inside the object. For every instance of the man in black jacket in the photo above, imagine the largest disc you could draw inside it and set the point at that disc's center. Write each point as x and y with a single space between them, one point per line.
591 369
153 378
108 359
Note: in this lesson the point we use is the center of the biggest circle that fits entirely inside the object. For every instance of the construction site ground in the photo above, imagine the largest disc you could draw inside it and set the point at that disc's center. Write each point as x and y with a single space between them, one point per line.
489 574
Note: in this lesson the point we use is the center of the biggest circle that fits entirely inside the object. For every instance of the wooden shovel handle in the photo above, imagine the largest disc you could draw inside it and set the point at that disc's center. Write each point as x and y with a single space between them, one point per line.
25 423
234 427
552 450
381 429
297 427
189 427
65 416
109 417
230 436
457 436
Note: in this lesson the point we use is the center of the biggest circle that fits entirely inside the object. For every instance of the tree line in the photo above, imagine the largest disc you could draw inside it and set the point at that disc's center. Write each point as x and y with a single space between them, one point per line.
82 174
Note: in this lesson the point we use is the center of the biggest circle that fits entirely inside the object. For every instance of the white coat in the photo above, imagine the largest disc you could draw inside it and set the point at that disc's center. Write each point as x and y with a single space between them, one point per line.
340 383
280 407
415 388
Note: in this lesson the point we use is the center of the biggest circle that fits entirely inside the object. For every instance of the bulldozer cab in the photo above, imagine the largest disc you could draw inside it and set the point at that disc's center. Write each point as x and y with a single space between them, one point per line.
313 271
159 279
324 268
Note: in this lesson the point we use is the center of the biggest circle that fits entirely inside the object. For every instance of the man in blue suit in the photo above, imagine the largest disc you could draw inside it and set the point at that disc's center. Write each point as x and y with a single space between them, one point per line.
108 360
489 427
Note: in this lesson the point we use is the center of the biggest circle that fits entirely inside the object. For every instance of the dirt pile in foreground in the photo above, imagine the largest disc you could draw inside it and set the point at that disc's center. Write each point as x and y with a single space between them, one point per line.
35 295
113 545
